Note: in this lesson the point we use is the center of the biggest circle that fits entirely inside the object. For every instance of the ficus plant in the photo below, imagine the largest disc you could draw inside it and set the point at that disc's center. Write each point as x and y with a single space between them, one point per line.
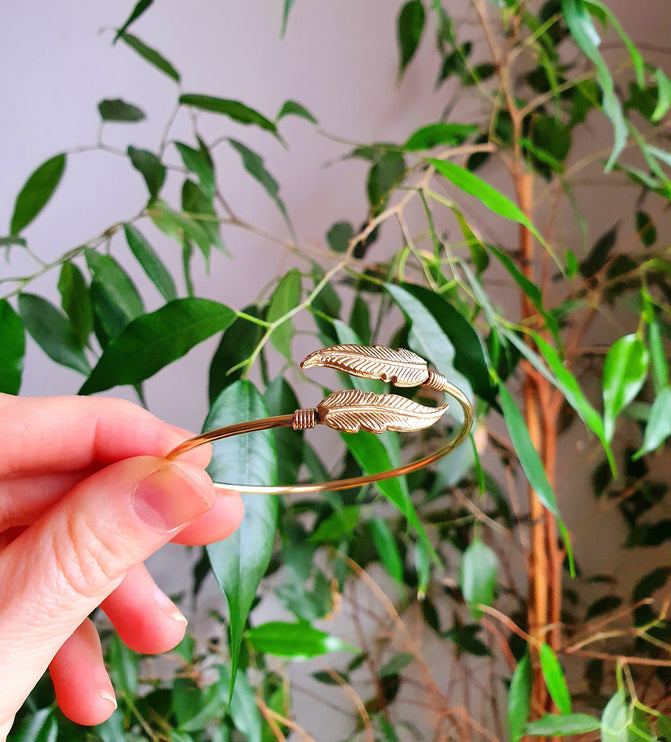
487 622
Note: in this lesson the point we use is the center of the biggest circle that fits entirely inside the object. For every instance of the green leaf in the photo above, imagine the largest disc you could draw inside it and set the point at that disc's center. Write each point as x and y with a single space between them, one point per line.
137 11
243 708
198 162
155 340
337 526
286 297
12 349
253 164
123 666
488 196
441 133
339 235
598 255
646 229
53 332
150 55
396 664
150 167
199 209
240 561
383 538
519 698
384 175
599 607
300 641
180 227
566 725
582 29
615 719
76 301
42 726
410 25
659 367
150 262
554 679
664 726
658 427
288 4
479 567
624 373
116 282
281 399
36 192
116 109
529 458
663 95
293 108
234 109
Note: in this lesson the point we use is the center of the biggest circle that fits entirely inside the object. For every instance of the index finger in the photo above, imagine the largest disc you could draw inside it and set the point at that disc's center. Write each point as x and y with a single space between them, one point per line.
71 433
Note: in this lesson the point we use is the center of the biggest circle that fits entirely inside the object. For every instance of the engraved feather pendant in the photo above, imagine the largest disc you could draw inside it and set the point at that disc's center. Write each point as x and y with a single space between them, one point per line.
401 367
352 410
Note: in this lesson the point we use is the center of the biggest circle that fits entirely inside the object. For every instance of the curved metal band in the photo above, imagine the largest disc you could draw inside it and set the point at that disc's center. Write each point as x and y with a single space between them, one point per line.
302 419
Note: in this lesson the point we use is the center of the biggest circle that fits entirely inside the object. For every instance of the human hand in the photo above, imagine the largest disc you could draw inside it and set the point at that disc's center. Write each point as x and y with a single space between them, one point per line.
85 498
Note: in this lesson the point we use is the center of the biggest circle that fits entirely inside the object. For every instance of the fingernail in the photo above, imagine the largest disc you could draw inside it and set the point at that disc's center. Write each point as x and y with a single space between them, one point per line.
102 681
173 496
168 607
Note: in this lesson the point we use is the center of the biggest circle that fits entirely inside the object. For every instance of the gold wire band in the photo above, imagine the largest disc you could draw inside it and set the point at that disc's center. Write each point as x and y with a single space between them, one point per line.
353 410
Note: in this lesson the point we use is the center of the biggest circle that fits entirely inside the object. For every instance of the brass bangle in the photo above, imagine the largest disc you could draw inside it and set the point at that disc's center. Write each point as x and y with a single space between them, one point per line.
353 410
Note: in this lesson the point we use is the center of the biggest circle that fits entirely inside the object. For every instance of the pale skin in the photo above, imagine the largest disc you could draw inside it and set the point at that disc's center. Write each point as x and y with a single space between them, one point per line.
86 496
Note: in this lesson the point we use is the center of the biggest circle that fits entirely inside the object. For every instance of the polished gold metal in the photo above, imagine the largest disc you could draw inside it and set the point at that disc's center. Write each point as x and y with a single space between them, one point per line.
353 410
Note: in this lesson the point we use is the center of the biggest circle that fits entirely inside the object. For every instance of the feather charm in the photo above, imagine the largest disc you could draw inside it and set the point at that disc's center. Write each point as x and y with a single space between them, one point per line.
352 410
401 367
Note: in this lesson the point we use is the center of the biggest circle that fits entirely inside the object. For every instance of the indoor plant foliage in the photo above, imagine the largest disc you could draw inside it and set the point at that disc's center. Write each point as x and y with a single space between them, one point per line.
421 271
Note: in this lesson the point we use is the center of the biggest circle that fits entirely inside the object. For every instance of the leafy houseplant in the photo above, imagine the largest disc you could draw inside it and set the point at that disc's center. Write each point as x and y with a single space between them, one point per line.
495 580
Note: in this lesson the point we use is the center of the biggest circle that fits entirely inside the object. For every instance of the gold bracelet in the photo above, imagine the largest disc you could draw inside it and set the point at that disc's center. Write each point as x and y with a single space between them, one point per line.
353 410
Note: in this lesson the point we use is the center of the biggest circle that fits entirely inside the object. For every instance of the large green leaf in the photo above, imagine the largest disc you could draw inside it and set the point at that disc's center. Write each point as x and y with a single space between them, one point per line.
151 263
150 167
116 282
286 297
240 561
155 340
479 567
36 192
281 400
75 300
554 679
563 725
253 164
658 427
115 109
150 55
410 24
519 698
12 349
624 373
53 332
300 641
234 109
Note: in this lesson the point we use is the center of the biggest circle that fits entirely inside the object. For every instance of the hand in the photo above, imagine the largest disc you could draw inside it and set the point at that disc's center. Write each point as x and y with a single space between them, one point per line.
85 497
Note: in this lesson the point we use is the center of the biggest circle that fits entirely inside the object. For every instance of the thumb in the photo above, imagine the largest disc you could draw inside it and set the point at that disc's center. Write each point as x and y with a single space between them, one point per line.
56 572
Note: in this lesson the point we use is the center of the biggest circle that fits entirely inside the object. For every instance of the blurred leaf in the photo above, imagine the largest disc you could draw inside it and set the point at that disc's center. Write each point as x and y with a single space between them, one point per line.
624 373
339 236
585 35
240 561
116 109
112 729
281 399
519 698
150 55
337 526
479 567
150 262
615 719
152 341
123 664
42 726
598 255
199 209
386 548
116 282
565 725
384 175
599 607
422 559
243 708
137 11
441 133
466 640
253 164
296 640
53 332
180 227
529 458
293 108
410 25
663 95
75 300
12 349
36 192
195 707
360 320
150 167
287 296
658 427
650 583
554 679
234 109
396 664
646 229
196 161
288 4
